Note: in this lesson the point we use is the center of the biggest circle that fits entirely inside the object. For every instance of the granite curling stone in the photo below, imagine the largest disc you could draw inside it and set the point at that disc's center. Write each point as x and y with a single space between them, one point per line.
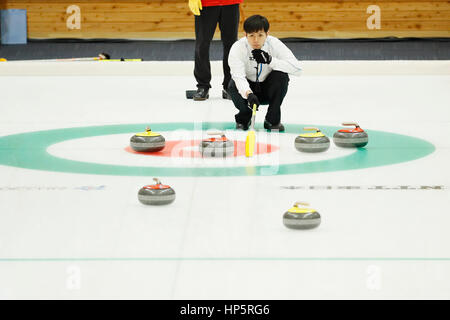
312 142
301 218
351 138
147 141
217 147
156 194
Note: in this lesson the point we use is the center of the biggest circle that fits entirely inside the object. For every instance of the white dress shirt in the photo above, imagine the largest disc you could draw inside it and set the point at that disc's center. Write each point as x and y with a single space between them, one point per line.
243 66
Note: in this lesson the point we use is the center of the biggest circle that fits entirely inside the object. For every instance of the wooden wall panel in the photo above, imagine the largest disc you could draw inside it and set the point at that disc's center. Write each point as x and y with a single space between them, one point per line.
288 18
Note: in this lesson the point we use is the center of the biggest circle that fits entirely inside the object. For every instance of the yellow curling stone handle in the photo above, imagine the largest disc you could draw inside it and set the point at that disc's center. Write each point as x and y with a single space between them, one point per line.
148 133
316 134
296 209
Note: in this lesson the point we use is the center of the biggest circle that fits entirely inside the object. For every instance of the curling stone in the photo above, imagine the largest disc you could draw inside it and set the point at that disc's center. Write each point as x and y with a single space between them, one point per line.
312 142
156 194
351 138
147 141
301 218
3 60
217 147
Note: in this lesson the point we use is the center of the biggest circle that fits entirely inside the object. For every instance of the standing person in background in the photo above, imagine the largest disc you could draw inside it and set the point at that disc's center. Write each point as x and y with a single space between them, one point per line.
207 14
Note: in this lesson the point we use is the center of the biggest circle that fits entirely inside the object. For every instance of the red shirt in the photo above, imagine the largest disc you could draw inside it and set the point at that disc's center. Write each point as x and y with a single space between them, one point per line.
212 3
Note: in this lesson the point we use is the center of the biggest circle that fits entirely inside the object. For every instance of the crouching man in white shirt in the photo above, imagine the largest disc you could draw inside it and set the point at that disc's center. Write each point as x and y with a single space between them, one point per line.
260 65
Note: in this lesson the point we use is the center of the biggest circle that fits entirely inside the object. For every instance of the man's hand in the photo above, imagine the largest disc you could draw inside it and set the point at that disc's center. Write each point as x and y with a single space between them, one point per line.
252 99
261 56
195 6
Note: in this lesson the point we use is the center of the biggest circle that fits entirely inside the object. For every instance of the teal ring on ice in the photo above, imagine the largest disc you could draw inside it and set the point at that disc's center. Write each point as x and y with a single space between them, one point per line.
29 151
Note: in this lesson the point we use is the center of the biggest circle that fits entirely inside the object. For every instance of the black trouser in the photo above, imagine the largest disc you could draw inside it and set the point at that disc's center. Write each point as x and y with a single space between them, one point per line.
205 26
271 91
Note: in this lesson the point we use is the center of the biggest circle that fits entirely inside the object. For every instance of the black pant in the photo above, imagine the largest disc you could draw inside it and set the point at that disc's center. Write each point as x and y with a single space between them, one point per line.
205 26
271 91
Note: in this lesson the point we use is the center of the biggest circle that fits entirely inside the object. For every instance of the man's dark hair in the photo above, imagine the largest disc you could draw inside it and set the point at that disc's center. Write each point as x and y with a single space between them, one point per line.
256 23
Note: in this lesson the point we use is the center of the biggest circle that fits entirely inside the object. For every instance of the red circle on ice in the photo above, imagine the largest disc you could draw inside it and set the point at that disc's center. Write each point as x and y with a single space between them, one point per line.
189 149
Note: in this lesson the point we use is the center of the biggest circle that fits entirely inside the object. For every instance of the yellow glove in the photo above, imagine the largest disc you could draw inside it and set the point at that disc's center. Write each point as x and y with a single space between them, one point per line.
195 6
